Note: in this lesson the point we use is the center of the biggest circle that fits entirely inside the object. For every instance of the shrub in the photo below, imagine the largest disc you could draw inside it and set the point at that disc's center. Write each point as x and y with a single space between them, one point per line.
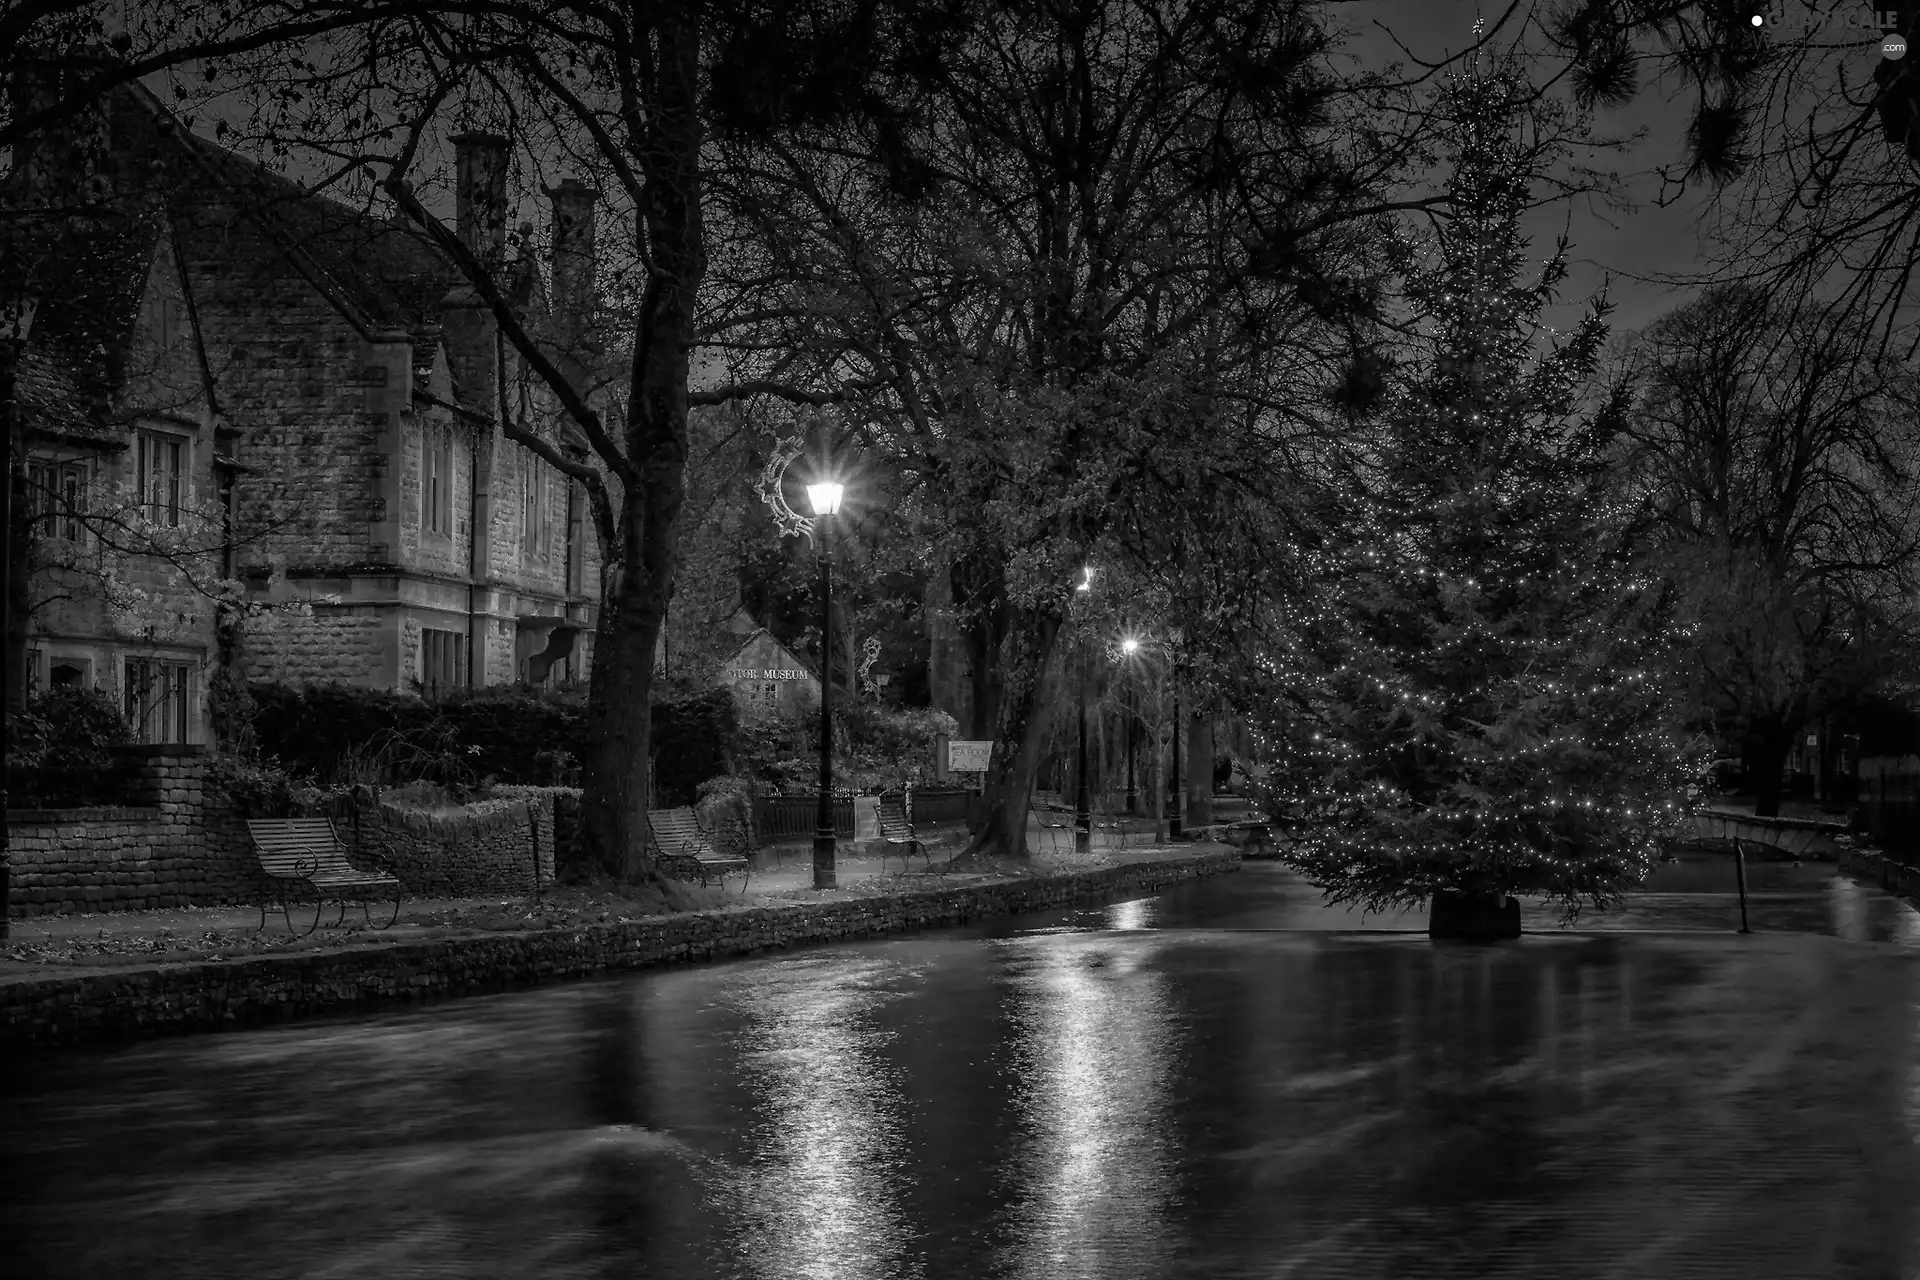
510 734
391 758
67 729
255 788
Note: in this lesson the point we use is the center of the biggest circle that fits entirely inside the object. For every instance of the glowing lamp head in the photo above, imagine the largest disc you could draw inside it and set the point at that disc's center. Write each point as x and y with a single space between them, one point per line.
825 497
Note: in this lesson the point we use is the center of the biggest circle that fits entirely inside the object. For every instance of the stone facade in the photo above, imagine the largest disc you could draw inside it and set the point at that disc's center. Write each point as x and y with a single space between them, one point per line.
336 386
767 679
52 1012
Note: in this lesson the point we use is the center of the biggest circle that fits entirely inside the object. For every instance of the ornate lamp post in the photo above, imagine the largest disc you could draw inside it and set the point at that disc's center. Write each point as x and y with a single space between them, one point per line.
1173 812
825 497
1129 647
1082 801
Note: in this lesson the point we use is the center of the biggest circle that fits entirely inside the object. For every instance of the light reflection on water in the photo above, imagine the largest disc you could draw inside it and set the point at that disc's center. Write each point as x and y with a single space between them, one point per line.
818 1200
1094 1030
1131 1091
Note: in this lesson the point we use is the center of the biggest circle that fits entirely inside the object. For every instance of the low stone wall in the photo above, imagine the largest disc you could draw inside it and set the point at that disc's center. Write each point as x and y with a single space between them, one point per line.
183 845
1868 863
501 845
166 850
40 1013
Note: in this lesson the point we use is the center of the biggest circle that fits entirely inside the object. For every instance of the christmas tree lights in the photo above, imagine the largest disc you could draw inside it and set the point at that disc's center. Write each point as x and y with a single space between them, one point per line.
1487 709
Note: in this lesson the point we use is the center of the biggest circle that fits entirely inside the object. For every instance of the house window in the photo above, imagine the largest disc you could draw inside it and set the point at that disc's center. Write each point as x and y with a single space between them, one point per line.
159 463
70 673
443 659
533 505
436 487
57 493
764 698
156 699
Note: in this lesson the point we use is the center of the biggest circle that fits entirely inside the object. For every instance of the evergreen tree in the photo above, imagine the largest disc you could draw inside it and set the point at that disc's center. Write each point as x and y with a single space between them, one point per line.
1483 710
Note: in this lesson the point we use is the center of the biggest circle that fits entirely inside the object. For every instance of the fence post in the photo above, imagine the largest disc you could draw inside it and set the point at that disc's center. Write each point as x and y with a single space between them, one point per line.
1740 874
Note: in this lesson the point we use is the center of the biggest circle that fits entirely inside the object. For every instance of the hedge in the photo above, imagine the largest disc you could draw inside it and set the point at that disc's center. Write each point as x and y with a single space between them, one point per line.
513 734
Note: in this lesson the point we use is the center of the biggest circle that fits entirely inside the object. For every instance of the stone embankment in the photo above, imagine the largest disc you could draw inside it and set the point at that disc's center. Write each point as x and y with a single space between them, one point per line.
1875 867
49 1012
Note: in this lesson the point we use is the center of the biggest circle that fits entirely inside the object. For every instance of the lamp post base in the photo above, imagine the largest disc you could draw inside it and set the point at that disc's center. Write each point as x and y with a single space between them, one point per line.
824 851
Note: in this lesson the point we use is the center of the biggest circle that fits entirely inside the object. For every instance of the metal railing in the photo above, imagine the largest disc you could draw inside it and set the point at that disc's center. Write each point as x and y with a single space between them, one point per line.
934 806
780 818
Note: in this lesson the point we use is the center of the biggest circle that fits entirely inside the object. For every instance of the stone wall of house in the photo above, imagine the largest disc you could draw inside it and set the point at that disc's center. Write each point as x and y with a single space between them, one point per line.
293 372
170 848
332 644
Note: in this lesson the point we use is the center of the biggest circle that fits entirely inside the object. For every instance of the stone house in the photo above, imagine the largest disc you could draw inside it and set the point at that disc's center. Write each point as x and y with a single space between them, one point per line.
331 405
767 679
118 422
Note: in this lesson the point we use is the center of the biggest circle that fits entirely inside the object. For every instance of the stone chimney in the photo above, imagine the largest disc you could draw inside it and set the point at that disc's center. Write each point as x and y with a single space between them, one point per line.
468 326
480 194
574 259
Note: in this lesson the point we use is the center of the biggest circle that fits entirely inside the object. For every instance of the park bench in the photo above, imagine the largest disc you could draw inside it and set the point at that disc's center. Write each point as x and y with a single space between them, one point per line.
1056 823
686 850
303 858
897 829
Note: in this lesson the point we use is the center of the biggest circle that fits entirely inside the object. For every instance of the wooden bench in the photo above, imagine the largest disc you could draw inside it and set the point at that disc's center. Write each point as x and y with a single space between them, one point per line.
303 858
897 829
686 850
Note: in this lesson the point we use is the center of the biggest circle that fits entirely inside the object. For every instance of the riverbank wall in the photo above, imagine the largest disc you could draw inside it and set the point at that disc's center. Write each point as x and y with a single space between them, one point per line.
42 1013
1864 862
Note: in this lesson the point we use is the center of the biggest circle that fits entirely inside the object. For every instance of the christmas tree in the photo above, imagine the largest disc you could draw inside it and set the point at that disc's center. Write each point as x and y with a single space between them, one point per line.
1480 707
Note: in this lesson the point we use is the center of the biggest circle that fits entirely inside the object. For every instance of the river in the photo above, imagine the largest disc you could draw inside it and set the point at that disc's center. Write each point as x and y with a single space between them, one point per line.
1225 1081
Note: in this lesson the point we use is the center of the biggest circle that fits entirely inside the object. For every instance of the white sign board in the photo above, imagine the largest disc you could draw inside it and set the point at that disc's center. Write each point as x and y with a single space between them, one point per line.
968 757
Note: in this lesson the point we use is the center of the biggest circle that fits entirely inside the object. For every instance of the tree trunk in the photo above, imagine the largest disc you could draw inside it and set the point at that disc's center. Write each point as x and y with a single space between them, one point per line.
615 782
634 603
946 681
1763 757
1199 770
1020 730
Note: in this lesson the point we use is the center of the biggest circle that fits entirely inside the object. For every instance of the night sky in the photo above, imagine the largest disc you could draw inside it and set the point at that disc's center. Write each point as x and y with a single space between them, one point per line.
1607 245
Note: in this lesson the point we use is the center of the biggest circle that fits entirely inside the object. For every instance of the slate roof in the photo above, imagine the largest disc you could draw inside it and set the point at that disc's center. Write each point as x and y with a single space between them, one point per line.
384 275
90 276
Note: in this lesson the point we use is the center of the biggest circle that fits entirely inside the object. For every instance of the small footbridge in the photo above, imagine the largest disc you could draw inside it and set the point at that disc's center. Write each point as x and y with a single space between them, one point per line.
1797 837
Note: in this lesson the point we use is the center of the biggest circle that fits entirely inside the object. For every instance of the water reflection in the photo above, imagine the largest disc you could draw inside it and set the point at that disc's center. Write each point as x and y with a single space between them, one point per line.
818 1197
1848 898
1094 1031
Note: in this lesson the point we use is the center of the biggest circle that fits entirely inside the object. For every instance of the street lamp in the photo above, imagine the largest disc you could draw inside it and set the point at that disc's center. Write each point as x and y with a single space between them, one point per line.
825 496
1174 832
1130 646
1082 801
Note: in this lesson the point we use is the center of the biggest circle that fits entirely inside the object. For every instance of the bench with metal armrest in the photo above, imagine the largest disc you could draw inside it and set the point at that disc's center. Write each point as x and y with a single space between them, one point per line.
686 850
304 859
897 829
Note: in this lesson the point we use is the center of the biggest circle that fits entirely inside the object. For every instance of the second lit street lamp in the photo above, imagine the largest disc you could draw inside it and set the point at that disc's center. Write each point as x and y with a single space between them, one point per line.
825 496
